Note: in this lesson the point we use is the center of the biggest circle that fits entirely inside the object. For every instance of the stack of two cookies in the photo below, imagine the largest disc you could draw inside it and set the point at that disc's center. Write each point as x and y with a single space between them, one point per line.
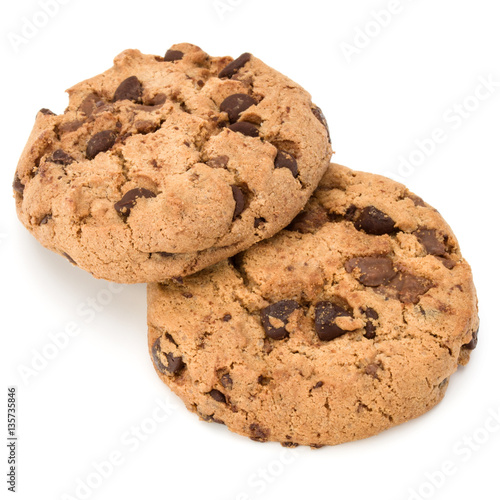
297 301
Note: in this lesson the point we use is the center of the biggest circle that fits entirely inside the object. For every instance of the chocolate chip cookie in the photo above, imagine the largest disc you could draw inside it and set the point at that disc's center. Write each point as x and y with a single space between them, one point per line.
346 323
162 166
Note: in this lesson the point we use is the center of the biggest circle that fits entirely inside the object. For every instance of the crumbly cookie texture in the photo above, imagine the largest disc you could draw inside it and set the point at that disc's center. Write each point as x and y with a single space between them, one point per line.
346 323
162 166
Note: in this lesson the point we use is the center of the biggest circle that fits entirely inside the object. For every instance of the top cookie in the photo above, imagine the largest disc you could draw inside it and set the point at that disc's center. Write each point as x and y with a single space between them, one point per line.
162 166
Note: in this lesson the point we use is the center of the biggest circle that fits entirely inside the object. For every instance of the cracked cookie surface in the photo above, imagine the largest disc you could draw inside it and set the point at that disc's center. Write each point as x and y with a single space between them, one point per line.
346 323
162 166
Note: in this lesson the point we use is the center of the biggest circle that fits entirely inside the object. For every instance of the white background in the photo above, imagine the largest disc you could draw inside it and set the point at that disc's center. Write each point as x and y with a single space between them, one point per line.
83 404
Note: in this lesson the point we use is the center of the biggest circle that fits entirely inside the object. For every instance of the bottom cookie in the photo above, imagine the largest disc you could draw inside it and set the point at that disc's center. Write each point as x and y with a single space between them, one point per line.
348 322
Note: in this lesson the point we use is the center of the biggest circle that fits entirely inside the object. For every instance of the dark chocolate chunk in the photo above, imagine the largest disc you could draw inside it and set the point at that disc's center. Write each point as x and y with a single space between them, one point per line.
258 433
129 200
100 142
373 221
236 104
473 343
71 126
448 263
235 65
130 89
318 385
245 128
218 396
321 117
174 363
239 199
17 185
173 55
277 313
61 158
286 160
370 328
428 238
155 353
309 220
324 323
409 287
373 271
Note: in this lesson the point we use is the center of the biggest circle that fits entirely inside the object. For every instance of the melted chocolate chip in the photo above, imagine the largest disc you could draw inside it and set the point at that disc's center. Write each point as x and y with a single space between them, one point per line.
324 323
235 104
245 128
258 433
318 385
226 381
239 199
275 318
235 65
17 185
130 89
473 343
46 111
99 143
321 117
226 317
370 329
309 221
173 55
130 198
218 162
428 238
68 127
218 396
373 221
61 158
286 160
174 363
373 271
409 287
155 353
89 104
448 263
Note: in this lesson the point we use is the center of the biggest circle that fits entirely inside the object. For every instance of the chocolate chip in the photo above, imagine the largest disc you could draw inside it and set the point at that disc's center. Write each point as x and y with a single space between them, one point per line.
245 128
417 201
173 55
448 263
409 287
69 258
130 89
370 313
158 100
309 220
259 222
71 126
145 126
99 143
218 162
226 317
286 160
372 369
235 65
46 111
350 212
155 352
218 396
318 385
236 104
473 343
89 104
187 295
61 158
289 444
239 199
258 433
226 381
428 238
321 117
277 313
374 271
130 198
261 380
174 363
373 221
17 185
45 219
370 328
324 322
165 254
